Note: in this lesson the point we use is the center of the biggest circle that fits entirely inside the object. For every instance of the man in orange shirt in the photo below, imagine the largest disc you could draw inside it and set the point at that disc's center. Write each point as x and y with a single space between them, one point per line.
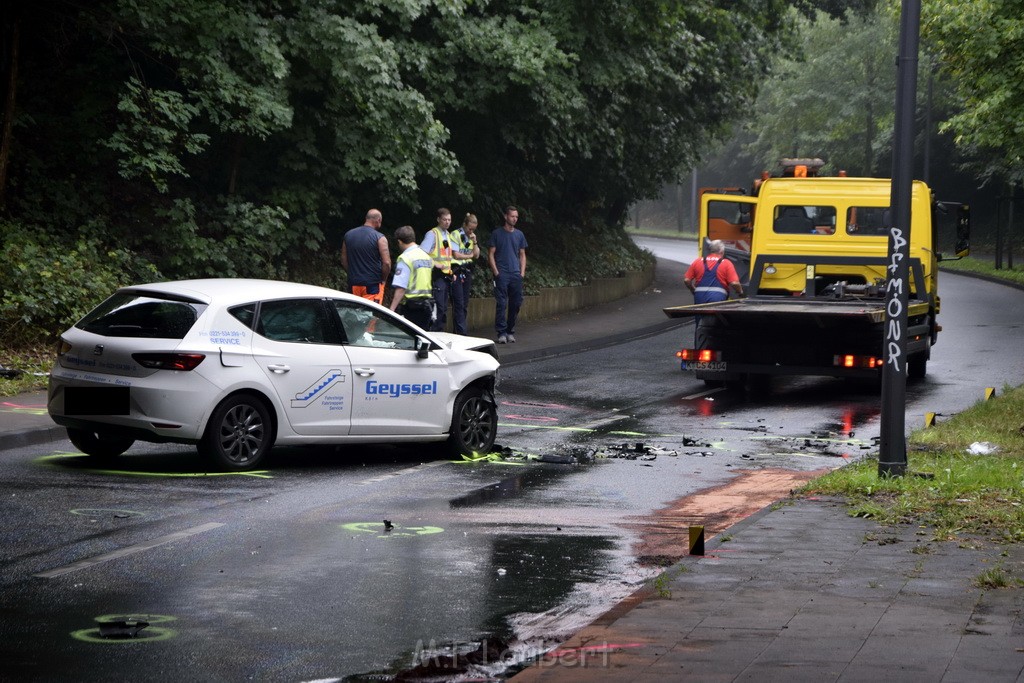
710 277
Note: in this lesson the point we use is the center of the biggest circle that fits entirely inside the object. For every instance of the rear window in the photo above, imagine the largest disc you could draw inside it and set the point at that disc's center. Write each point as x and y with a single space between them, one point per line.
132 314
806 220
867 220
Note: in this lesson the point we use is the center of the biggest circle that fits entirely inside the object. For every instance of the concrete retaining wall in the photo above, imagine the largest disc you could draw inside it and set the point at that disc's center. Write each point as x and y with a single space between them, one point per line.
554 300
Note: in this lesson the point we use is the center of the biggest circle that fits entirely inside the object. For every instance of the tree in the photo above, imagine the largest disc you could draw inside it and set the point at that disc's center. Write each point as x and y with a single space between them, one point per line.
981 44
834 98
230 137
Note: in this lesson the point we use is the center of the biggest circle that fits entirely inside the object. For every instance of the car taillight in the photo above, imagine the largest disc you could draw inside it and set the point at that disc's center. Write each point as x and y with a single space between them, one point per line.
699 355
169 361
62 347
852 361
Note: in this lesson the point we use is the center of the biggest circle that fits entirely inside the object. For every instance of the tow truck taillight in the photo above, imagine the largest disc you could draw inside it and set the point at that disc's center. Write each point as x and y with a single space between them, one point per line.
699 355
852 361
169 361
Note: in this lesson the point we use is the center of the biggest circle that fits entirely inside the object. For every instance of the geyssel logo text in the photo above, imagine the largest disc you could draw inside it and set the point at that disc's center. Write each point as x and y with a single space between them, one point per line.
376 388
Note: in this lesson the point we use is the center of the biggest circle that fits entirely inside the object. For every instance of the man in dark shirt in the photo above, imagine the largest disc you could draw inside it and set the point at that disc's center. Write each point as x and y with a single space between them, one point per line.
506 255
366 258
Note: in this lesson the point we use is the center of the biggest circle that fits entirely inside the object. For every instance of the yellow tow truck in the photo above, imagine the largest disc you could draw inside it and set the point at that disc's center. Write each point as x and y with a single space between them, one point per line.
812 252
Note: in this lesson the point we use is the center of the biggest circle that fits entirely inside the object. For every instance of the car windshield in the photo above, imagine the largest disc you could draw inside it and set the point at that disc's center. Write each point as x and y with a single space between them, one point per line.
133 314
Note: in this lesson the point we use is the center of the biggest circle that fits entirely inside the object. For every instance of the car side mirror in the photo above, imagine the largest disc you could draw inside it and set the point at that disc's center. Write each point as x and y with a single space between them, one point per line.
422 347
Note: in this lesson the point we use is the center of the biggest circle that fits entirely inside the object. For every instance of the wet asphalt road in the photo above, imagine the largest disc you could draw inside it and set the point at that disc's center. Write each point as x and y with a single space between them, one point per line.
289 575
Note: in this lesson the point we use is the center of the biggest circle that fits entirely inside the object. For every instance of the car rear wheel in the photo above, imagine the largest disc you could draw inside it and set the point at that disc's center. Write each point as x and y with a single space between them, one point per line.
98 444
474 423
239 434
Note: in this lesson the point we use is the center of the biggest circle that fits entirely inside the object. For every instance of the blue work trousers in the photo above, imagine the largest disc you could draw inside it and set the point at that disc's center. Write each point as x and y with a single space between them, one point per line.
442 287
508 298
461 285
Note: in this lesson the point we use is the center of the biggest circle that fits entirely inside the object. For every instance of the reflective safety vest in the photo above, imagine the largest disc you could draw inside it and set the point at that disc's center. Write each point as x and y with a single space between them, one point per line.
460 241
442 251
420 273
709 289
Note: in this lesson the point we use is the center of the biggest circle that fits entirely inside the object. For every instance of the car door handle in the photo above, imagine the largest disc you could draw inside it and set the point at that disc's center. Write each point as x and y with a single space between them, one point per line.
364 372
279 369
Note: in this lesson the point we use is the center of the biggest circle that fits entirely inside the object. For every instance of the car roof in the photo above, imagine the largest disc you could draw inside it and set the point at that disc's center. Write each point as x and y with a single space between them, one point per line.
228 291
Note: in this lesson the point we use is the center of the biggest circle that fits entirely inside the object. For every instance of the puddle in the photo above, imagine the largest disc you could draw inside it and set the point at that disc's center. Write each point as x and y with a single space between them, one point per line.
582 575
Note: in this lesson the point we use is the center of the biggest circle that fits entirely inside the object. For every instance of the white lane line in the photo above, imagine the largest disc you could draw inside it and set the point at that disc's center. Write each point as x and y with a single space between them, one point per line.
398 473
707 392
130 550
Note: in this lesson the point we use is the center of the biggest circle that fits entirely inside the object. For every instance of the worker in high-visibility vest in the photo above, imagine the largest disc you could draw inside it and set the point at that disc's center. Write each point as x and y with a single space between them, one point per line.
437 244
413 296
465 251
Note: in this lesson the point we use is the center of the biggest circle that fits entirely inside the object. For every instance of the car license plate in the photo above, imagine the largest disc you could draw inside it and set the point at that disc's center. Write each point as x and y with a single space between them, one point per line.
96 401
714 366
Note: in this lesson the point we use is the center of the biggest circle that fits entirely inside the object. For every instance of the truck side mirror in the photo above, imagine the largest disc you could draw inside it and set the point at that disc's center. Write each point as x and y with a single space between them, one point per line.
963 231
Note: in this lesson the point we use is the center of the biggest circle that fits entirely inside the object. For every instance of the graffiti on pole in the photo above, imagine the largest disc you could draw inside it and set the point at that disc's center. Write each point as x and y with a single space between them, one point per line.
895 288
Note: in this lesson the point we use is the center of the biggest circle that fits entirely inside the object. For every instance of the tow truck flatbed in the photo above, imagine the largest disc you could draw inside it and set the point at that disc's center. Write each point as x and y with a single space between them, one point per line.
777 308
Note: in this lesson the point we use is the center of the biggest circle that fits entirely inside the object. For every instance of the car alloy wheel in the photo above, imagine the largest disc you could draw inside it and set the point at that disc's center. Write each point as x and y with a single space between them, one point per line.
239 434
474 423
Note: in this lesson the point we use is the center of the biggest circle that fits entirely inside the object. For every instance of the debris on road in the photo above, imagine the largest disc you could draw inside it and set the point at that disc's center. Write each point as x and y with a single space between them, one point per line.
636 451
122 628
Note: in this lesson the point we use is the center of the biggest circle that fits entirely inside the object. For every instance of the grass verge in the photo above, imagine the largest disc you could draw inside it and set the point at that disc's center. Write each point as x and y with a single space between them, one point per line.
33 364
946 488
986 268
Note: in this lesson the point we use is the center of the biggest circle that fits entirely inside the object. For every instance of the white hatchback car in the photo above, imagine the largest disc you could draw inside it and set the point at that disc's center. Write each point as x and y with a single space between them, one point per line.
236 366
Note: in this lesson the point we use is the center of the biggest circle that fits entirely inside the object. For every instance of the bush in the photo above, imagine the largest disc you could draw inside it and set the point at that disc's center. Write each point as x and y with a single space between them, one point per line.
46 285
570 256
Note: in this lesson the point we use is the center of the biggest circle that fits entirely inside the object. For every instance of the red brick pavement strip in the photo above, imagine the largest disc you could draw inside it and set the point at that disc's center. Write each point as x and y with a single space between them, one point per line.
604 650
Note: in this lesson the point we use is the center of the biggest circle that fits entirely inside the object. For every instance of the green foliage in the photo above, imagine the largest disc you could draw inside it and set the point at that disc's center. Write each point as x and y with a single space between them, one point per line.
833 98
46 285
152 135
568 256
980 43
996 577
233 138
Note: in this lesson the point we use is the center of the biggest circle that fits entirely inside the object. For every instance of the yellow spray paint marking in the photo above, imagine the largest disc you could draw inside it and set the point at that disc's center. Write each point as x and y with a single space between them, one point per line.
56 457
397 530
146 635
488 461
491 459
518 425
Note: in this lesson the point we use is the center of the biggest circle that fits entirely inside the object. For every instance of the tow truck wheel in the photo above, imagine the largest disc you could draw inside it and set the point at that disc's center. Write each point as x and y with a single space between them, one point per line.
917 366
759 385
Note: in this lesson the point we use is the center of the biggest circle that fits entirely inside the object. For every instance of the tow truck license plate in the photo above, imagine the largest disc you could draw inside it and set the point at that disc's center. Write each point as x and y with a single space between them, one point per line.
715 366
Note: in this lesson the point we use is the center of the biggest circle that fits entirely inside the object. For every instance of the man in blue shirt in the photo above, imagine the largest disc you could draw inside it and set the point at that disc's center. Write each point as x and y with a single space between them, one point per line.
506 255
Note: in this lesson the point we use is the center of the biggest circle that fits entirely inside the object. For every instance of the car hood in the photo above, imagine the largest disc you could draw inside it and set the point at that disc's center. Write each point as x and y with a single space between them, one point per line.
460 342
